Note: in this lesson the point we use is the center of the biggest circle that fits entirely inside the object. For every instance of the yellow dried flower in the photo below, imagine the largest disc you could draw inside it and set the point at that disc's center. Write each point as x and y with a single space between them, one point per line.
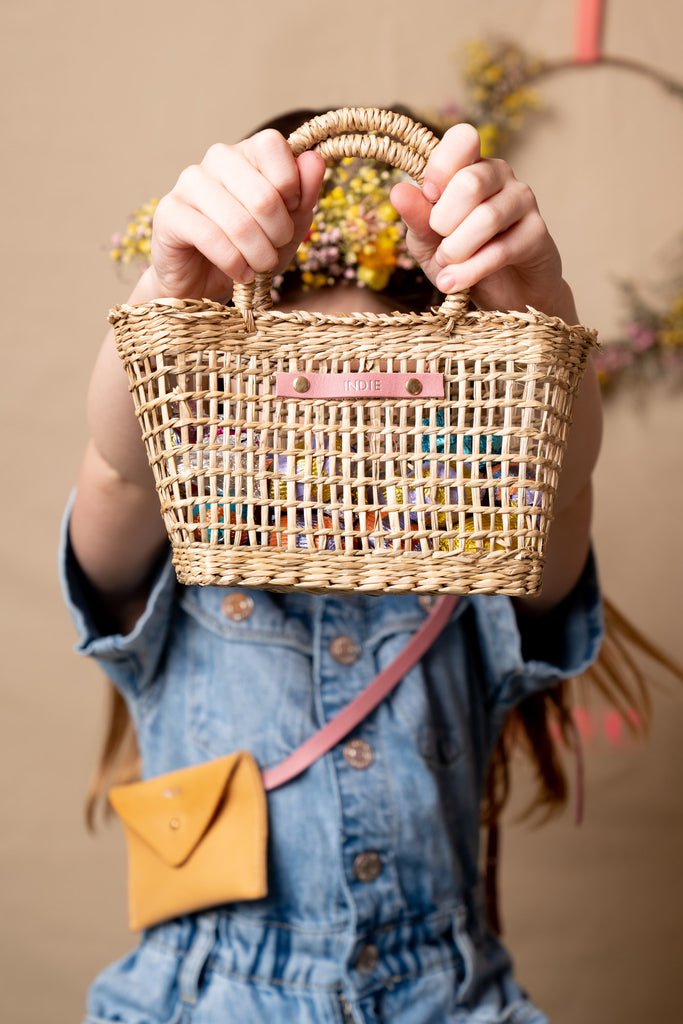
136 242
493 73
385 211
490 137
376 278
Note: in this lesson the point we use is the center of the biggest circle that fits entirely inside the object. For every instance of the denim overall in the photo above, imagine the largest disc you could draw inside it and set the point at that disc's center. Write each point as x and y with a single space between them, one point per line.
375 910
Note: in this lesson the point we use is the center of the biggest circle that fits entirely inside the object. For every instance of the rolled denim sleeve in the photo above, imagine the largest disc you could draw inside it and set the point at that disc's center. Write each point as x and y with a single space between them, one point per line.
523 659
130 659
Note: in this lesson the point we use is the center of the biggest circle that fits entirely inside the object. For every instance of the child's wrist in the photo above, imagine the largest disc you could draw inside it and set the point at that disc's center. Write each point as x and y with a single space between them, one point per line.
564 305
148 287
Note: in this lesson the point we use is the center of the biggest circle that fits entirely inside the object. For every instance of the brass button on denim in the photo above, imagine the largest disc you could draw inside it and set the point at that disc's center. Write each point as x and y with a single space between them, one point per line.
367 866
345 650
237 607
367 959
359 754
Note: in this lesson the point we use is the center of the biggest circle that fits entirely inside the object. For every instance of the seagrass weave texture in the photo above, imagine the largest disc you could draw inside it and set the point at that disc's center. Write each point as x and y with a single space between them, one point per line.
357 492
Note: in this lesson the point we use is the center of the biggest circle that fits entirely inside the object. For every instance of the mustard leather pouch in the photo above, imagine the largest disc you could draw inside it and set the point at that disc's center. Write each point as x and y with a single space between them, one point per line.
195 838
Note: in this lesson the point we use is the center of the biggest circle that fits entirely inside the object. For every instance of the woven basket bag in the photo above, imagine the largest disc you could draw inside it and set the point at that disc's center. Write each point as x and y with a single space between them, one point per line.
393 453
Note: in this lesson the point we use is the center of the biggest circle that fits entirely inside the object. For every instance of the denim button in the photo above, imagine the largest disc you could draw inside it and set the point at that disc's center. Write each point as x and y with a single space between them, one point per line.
237 607
367 959
367 866
359 754
427 601
345 650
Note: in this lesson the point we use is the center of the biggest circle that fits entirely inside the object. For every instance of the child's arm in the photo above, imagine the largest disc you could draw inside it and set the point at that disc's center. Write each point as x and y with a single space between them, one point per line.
245 208
474 225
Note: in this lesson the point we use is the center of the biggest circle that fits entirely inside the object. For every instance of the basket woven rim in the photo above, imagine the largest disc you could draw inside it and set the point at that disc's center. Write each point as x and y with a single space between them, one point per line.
209 309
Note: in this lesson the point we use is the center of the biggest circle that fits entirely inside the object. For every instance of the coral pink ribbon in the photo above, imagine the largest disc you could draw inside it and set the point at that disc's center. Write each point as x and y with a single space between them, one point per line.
589 31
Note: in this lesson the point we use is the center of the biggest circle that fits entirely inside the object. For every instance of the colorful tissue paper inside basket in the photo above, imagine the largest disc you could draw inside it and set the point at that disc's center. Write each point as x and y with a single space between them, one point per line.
239 493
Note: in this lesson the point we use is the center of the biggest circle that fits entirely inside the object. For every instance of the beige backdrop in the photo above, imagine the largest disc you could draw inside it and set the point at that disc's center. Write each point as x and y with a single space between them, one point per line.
103 104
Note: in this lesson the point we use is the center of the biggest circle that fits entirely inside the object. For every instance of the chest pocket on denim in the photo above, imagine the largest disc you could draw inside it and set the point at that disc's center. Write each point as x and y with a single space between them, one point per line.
250 681
429 703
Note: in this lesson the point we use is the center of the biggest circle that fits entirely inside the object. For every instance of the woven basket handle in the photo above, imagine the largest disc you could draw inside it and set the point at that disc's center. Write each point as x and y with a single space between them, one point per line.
365 133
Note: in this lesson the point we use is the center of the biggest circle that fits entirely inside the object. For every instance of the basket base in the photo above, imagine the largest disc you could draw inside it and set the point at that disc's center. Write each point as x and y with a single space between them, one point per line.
516 573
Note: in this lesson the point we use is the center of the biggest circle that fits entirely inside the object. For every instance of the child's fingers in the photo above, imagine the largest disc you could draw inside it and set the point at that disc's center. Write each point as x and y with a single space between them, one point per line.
200 190
435 210
182 227
269 153
242 211
473 225
468 188
422 241
409 202
518 246
245 201
466 232
253 190
311 168
460 147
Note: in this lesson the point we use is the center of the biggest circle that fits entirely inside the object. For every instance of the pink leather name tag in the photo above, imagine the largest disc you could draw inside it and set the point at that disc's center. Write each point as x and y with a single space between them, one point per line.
359 385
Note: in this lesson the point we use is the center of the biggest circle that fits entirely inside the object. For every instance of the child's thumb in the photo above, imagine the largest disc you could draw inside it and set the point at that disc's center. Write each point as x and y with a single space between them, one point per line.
311 172
311 168
409 201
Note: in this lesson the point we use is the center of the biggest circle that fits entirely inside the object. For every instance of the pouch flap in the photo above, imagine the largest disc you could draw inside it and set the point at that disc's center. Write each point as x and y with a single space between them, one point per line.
172 812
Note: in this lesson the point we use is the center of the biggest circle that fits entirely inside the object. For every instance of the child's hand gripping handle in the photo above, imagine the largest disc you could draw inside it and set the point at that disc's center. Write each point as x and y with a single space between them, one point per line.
365 133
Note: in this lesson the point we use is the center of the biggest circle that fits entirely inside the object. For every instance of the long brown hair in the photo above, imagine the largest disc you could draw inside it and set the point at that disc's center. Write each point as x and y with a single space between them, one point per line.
119 760
543 727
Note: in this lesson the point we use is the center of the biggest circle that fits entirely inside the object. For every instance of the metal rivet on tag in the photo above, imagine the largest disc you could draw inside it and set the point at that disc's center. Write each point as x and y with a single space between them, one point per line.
174 823
301 384
413 386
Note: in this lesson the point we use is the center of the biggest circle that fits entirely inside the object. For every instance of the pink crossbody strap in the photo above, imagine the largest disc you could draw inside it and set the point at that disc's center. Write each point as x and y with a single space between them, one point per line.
361 706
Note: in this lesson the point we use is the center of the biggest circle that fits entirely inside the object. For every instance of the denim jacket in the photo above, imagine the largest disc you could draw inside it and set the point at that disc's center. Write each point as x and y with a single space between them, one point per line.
374 911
